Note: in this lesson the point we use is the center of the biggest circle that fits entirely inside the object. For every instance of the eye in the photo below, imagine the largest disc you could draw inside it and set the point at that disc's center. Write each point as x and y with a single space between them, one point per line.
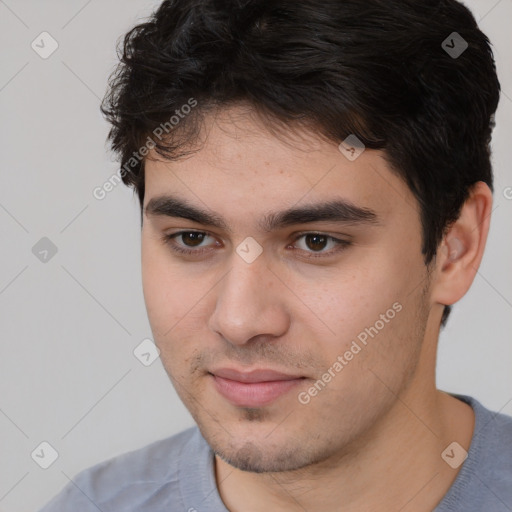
315 243
190 240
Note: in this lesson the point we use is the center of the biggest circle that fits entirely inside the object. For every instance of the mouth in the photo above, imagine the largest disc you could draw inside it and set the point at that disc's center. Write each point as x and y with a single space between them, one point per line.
256 388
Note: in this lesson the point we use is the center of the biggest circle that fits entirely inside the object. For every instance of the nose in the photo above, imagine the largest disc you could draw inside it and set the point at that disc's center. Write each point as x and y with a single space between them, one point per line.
250 302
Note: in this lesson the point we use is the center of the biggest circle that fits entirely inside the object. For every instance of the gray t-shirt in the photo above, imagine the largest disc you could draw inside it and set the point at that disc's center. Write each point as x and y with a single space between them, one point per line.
176 474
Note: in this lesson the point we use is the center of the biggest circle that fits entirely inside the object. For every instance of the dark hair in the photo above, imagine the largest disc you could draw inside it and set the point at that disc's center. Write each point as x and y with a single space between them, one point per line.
379 69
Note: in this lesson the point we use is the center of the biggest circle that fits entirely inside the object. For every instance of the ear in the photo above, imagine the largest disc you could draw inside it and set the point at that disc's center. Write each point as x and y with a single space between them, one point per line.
460 253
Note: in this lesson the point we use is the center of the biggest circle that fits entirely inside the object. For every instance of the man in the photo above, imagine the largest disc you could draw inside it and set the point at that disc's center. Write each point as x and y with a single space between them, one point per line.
316 191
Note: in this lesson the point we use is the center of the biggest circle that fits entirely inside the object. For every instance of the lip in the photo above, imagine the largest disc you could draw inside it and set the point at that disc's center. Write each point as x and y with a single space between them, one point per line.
253 376
255 388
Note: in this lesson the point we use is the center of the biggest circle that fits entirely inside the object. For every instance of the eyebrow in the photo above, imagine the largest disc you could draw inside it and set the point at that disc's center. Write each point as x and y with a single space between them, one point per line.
339 211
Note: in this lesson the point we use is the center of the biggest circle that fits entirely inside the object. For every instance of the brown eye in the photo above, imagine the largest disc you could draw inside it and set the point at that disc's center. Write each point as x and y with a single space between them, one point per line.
316 242
313 245
192 238
187 242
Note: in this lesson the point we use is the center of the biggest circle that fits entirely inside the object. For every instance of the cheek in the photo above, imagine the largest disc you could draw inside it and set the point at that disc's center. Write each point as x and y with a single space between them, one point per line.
176 302
348 299
369 301
164 295
154 284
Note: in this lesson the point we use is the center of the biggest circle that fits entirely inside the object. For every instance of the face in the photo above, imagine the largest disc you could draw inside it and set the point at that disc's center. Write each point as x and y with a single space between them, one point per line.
287 327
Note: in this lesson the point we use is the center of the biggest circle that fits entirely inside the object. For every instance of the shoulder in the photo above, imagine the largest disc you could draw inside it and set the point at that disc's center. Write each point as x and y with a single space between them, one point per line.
485 478
492 439
142 479
495 440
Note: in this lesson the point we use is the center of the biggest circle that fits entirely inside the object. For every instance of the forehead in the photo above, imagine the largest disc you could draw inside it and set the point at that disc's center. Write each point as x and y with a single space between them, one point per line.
242 168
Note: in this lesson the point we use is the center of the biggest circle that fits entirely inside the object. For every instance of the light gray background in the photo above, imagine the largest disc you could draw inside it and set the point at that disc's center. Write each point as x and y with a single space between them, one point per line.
69 326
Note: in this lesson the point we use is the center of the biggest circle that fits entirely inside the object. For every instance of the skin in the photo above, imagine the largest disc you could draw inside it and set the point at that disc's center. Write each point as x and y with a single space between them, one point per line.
372 438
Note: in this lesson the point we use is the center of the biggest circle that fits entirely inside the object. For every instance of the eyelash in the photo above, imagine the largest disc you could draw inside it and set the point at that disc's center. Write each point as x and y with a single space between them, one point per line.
169 240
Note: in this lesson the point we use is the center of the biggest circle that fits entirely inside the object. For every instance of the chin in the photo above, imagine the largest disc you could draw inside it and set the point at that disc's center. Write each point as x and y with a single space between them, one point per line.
255 458
260 448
